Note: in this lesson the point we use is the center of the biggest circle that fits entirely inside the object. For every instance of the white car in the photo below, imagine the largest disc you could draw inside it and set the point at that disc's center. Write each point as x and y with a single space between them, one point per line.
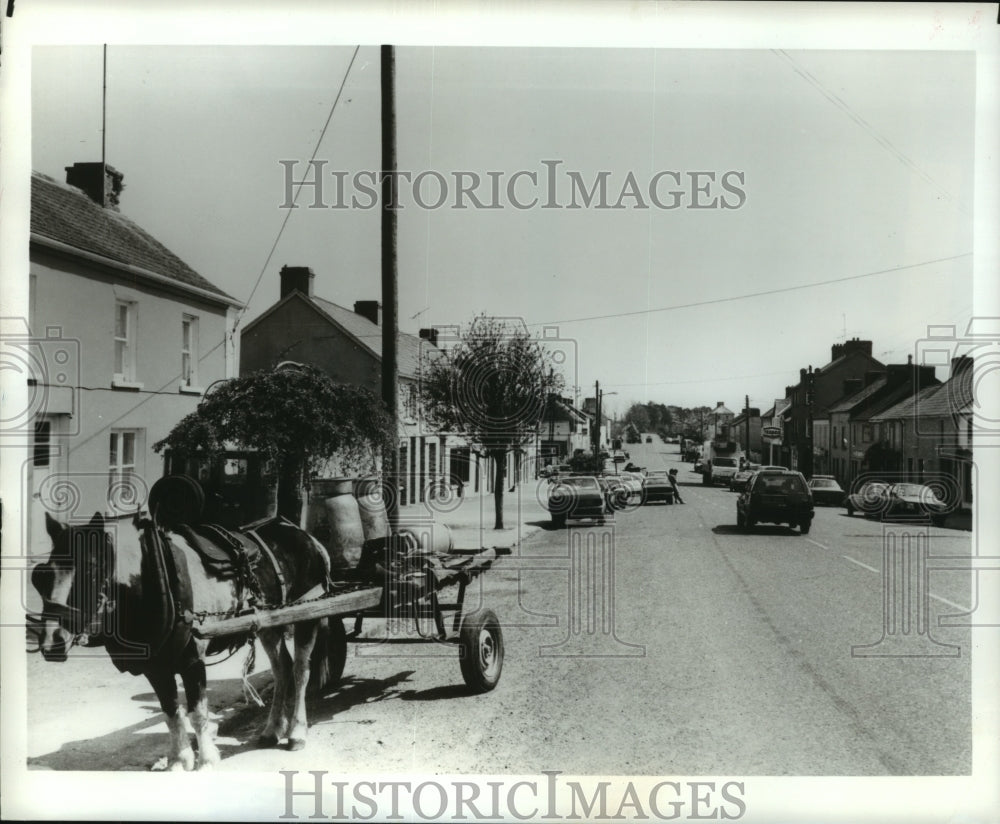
633 483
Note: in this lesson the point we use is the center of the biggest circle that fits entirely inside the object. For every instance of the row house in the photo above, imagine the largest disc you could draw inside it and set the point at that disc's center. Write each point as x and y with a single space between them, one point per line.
853 436
772 424
127 338
347 345
563 430
810 401
746 429
927 437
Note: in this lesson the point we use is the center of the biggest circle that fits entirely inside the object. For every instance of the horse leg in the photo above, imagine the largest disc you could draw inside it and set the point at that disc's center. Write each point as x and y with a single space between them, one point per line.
273 641
305 640
196 690
164 684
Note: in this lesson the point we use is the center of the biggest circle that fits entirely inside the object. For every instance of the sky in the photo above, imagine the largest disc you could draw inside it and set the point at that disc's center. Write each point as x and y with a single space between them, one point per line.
848 169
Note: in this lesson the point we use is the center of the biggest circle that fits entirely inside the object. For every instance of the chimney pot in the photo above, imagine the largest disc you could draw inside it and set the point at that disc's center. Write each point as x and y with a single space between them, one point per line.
430 335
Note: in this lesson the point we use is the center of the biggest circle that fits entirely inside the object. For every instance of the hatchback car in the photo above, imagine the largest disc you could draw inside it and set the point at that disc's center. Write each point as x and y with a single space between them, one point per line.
576 497
775 498
826 491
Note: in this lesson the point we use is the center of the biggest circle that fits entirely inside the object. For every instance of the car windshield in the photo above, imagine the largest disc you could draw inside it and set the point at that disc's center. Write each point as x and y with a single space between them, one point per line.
580 483
725 461
780 483
822 483
873 489
915 491
657 473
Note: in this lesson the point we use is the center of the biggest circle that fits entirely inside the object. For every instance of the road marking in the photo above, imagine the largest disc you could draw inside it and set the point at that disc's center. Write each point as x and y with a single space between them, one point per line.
930 594
817 543
856 561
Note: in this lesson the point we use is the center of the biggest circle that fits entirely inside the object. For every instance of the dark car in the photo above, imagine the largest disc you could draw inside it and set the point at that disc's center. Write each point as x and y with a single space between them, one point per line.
657 487
775 498
869 499
826 491
575 497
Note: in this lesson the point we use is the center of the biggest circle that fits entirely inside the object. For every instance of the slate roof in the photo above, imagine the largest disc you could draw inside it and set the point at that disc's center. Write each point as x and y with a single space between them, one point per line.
408 347
65 214
851 401
943 400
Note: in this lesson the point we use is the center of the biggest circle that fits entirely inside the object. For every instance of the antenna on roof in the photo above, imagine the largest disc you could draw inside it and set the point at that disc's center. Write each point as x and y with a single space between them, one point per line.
104 104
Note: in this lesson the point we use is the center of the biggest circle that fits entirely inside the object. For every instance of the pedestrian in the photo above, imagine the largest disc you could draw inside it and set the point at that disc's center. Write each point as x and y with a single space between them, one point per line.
672 477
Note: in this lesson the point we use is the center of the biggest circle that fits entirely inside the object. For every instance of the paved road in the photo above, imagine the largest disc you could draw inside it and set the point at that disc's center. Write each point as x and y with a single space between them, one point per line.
665 643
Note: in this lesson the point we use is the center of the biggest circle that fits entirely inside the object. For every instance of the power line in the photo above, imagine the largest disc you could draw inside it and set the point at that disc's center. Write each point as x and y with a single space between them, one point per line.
288 212
837 101
754 294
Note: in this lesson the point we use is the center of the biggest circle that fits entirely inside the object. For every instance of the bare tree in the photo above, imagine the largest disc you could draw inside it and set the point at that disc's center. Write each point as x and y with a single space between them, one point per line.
491 387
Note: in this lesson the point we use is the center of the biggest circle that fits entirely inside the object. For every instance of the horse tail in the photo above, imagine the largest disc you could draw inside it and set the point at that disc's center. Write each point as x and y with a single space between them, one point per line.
329 655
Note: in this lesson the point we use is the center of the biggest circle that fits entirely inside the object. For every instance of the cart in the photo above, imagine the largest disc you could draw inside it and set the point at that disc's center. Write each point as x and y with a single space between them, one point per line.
415 595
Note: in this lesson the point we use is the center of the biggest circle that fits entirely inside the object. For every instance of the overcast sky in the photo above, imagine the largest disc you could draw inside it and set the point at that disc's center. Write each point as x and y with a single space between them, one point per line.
848 163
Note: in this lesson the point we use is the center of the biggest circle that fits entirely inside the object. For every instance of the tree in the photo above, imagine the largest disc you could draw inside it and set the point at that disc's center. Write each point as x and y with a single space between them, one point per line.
295 415
492 388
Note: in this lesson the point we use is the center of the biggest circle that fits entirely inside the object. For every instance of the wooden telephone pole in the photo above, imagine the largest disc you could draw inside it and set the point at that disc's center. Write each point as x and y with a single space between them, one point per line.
390 300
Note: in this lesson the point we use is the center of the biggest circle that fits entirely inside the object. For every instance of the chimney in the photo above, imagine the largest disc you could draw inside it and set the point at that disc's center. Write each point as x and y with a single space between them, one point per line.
802 376
430 335
960 364
873 375
852 386
836 351
99 181
296 278
370 309
855 345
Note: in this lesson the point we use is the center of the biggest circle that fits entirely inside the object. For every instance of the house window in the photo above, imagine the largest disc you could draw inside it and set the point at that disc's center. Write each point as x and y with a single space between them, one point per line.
189 350
122 463
866 433
43 440
124 367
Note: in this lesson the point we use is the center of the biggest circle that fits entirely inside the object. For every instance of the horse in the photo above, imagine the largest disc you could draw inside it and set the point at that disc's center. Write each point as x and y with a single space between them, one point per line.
89 586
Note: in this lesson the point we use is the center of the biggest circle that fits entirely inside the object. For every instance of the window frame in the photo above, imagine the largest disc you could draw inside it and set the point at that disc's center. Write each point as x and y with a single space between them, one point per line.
125 378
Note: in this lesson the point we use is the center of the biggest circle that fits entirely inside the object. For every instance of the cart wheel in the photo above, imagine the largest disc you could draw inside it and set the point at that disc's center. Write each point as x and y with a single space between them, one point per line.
329 657
480 650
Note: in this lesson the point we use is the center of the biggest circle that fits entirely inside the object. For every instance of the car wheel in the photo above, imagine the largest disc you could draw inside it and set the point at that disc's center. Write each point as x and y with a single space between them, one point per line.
850 511
558 521
741 522
805 527
751 523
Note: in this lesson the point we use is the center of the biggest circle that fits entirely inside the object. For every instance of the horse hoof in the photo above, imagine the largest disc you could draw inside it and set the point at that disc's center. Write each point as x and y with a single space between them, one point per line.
295 744
267 740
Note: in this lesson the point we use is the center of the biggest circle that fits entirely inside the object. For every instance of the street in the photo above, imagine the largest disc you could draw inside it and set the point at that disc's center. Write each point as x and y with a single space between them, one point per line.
688 647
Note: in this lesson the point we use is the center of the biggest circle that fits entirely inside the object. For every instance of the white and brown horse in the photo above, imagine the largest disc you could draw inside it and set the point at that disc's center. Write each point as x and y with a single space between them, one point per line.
96 584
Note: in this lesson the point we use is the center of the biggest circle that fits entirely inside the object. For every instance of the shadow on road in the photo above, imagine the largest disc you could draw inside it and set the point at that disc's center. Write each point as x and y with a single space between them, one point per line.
765 529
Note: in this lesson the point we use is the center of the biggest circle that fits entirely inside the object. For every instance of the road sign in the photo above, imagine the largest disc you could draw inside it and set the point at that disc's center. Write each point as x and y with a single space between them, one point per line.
771 431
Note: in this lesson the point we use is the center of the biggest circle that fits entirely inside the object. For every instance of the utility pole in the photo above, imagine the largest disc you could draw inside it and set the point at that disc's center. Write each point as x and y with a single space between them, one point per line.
746 415
390 300
596 434
810 409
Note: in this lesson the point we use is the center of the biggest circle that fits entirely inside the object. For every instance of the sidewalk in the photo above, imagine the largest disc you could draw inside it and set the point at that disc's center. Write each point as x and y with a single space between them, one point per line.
471 519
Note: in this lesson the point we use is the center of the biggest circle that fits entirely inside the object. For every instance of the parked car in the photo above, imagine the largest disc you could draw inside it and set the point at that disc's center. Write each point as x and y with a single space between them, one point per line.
739 480
558 471
776 498
869 499
916 501
575 497
658 487
826 491
633 482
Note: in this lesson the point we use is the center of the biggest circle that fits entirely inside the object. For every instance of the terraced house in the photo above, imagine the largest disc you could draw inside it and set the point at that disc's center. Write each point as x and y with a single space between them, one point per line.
347 345
126 336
